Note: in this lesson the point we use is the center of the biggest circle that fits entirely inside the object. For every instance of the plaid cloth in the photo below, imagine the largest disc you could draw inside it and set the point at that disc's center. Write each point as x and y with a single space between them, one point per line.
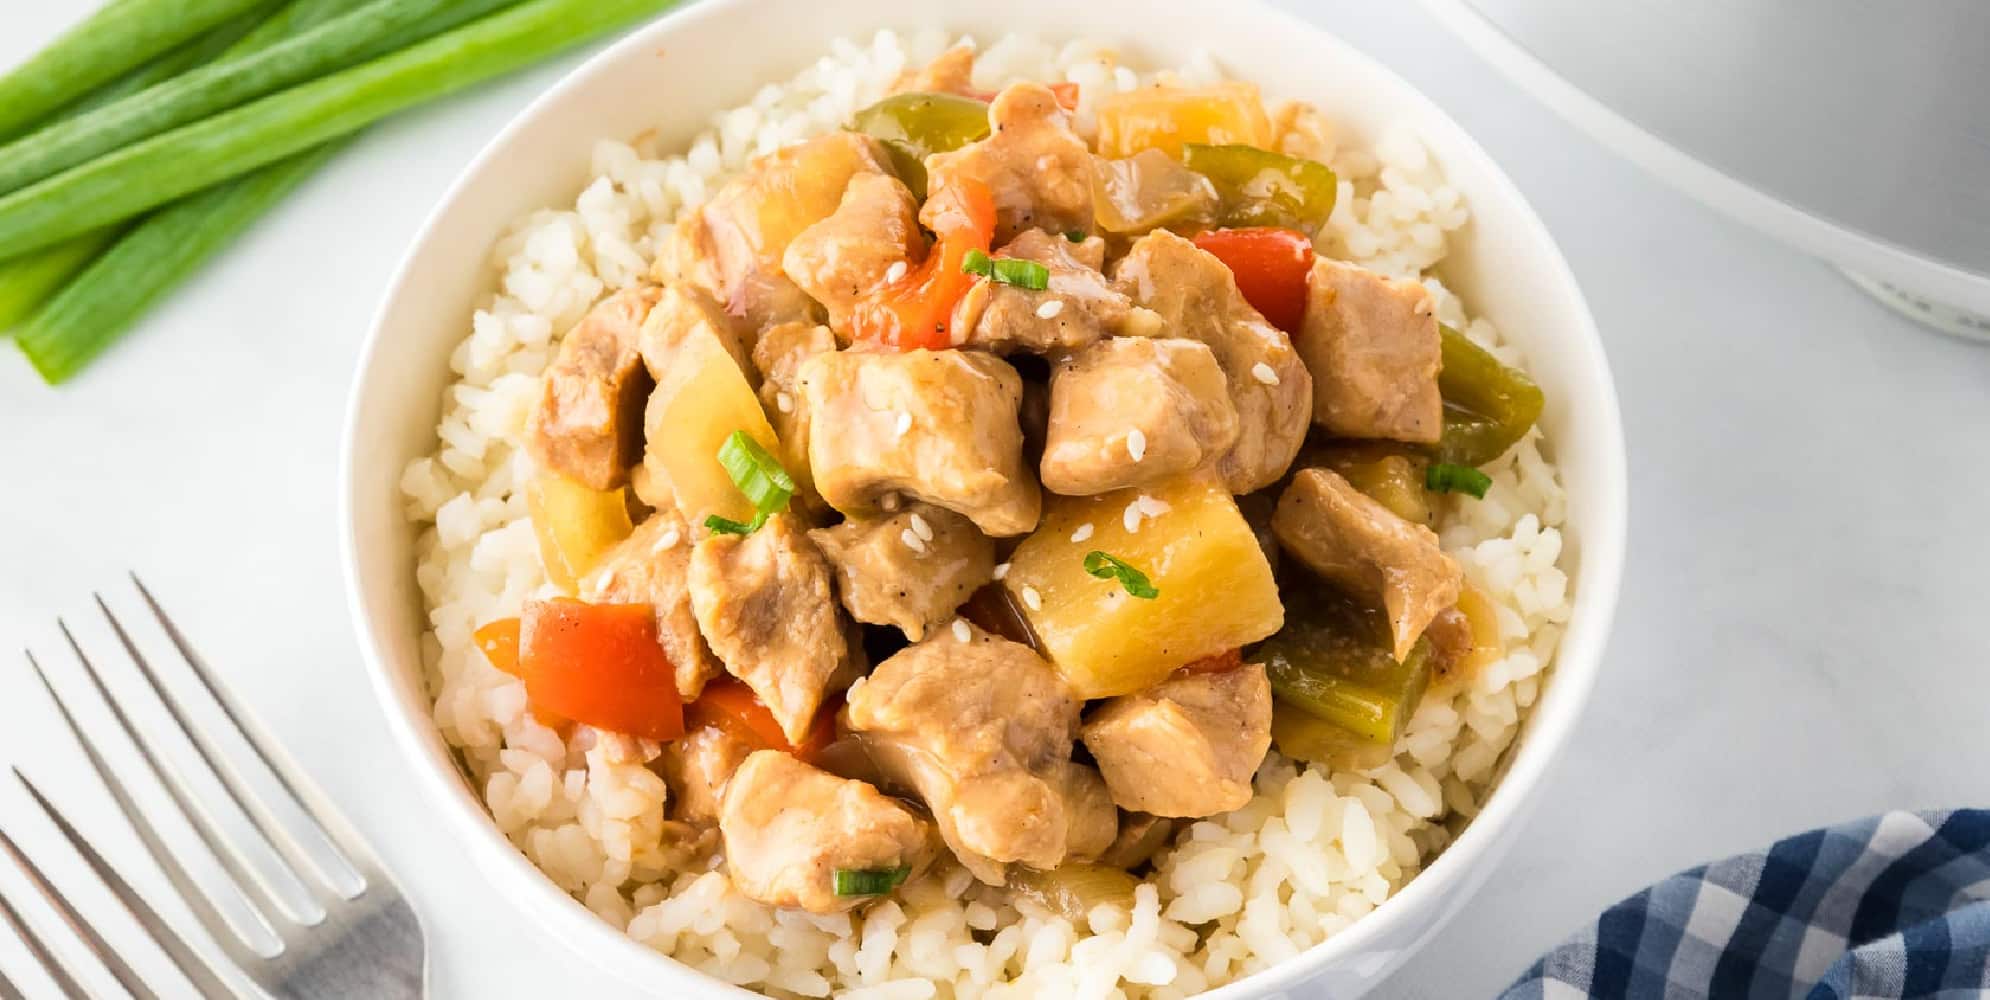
1889 907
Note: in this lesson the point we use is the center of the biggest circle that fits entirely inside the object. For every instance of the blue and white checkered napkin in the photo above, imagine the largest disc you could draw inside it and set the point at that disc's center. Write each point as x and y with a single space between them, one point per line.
1894 906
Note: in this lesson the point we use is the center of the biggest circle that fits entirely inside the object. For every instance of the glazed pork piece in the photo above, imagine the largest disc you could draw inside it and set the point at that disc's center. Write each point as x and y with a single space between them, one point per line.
1361 546
789 828
1131 411
1186 747
1197 298
850 254
940 426
733 245
652 567
1372 345
778 357
1039 171
1077 308
696 767
588 425
765 603
912 569
983 729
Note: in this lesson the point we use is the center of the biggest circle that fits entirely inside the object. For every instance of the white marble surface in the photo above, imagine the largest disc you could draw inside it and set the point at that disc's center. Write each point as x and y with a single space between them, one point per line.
1801 638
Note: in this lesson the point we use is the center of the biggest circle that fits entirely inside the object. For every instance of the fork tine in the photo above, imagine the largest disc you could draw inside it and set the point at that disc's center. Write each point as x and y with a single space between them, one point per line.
196 898
63 980
189 962
238 867
98 946
332 826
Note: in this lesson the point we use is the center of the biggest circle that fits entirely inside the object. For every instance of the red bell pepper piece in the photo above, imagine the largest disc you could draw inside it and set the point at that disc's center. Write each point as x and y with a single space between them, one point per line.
1270 265
600 664
917 310
729 706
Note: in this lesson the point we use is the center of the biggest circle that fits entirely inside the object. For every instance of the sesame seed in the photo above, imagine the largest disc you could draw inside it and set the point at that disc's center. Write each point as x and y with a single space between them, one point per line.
904 423
1136 444
1050 309
1152 507
911 540
1084 531
784 402
1032 599
961 631
667 541
895 271
1263 373
1001 570
1132 517
888 503
921 528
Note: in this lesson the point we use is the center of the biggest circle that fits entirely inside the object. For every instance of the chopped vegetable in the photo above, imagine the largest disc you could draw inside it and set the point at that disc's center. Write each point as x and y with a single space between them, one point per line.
1391 475
702 400
1261 188
1444 477
730 706
1108 567
993 609
1270 265
116 38
575 525
100 304
869 881
917 125
199 52
1215 590
1073 889
1464 639
1007 270
1301 735
1488 407
187 159
600 665
365 31
917 310
1165 118
1332 659
758 474
498 640
727 526
1074 235
1147 190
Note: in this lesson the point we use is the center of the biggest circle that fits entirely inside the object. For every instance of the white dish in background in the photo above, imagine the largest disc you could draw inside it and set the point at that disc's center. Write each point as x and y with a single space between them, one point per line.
668 77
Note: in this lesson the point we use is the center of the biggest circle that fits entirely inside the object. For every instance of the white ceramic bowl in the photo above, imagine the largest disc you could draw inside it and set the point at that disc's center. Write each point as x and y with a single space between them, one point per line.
670 76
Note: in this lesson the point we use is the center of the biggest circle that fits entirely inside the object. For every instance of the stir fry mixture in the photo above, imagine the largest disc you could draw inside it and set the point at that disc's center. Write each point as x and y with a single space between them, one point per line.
966 491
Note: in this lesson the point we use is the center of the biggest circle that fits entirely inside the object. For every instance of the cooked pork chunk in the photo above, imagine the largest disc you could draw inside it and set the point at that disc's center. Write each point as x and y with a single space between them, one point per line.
697 766
589 422
685 311
734 243
951 72
1130 411
789 828
983 730
848 255
1371 343
1187 746
1198 299
765 604
1039 171
778 356
651 567
936 425
1366 549
912 569
1091 821
1078 308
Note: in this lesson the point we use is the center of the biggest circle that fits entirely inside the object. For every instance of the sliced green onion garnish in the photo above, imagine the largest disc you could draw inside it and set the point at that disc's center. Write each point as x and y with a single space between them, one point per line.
757 474
1444 477
1022 273
1109 567
1075 235
869 881
728 526
977 262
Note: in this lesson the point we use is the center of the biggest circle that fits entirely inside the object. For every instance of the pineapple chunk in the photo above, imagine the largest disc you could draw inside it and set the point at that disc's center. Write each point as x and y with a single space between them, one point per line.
701 397
1164 118
574 525
1216 591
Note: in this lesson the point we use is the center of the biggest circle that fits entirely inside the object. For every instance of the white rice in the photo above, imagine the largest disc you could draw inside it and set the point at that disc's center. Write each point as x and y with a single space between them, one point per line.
1311 854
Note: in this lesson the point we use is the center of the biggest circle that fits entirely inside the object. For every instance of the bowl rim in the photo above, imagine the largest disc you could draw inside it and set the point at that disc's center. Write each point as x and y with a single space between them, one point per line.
1547 729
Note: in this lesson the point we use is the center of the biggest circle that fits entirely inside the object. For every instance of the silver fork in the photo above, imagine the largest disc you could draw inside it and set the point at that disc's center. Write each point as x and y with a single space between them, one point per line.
365 940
